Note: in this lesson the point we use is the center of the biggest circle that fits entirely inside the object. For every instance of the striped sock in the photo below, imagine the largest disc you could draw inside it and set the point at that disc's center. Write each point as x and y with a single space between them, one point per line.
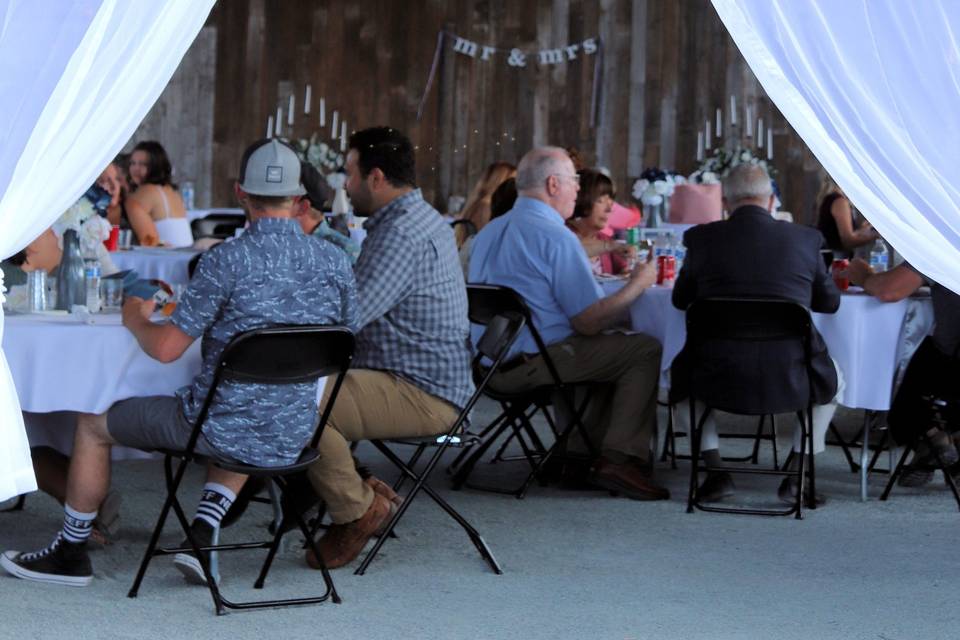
76 524
214 503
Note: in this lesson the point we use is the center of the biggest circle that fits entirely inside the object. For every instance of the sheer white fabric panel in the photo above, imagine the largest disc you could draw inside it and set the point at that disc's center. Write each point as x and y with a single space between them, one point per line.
873 88
77 77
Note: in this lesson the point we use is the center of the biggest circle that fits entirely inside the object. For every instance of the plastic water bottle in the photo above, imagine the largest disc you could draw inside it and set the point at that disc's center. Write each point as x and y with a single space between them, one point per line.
186 192
879 256
679 253
91 276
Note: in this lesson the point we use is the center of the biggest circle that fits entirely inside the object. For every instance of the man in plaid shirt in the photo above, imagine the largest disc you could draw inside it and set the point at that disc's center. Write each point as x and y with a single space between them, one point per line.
411 369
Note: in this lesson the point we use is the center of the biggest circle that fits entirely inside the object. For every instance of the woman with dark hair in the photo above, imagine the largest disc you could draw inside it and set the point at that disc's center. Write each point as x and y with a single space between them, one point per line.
835 222
590 217
155 208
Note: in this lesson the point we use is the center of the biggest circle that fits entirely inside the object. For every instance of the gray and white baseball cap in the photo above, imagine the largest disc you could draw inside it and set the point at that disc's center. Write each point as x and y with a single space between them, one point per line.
271 168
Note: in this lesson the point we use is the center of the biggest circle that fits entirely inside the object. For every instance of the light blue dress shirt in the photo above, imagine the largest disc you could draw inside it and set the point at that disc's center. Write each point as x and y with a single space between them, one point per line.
530 250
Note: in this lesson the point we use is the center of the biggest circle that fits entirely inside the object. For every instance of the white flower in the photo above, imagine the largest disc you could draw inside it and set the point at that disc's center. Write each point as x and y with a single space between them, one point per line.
639 187
679 180
651 199
745 155
75 216
709 177
660 187
336 180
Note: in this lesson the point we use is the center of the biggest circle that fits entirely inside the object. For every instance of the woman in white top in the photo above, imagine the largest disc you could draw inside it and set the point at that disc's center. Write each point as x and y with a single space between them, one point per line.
155 208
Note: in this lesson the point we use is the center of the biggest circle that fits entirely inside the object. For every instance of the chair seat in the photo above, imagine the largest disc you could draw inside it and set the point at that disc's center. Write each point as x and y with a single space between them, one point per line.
307 457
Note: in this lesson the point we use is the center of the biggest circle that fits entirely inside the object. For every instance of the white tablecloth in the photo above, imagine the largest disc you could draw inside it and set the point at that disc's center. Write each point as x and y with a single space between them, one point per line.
863 337
169 265
61 365
194 214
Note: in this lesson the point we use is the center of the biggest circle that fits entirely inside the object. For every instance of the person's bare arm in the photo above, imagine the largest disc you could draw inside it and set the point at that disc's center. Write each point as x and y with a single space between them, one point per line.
163 342
138 212
605 312
850 238
889 286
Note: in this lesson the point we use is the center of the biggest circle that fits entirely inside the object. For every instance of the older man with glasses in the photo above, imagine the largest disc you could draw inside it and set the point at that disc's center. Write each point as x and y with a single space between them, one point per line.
531 251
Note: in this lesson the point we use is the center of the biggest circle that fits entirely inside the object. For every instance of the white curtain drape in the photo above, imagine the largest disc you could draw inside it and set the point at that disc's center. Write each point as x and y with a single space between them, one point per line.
76 78
873 88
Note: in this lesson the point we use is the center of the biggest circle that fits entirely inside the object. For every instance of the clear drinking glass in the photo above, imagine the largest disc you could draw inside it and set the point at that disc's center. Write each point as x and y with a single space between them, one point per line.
111 292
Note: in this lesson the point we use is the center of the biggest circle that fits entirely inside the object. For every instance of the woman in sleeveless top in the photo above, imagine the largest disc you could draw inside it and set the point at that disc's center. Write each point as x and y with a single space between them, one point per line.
155 208
835 222
477 208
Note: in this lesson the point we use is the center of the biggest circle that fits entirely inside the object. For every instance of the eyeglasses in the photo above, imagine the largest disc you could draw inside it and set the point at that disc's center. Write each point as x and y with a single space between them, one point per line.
575 177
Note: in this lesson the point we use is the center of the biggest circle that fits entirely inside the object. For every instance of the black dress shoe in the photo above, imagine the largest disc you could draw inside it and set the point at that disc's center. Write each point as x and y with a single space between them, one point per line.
717 486
788 493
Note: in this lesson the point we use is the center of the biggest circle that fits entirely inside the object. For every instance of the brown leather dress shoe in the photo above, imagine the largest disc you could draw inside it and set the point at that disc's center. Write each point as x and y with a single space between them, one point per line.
628 479
342 543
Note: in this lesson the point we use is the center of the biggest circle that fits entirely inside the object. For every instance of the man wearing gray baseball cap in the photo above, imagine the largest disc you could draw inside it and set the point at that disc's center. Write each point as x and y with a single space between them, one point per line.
272 275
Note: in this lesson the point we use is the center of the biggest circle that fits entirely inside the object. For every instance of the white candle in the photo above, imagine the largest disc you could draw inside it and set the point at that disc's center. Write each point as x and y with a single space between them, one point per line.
770 144
269 127
699 146
748 122
323 112
290 111
306 99
706 138
760 133
279 122
719 123
333 129
343 136
733 109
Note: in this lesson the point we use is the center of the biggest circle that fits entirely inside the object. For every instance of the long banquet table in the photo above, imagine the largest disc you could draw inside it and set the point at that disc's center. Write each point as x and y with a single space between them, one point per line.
61 365
169 265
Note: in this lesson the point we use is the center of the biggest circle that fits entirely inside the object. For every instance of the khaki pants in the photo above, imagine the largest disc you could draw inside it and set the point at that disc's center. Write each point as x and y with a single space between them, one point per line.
371 405
621 418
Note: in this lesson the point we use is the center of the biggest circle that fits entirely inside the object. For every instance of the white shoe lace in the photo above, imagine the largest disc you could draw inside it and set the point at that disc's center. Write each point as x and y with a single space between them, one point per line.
41 553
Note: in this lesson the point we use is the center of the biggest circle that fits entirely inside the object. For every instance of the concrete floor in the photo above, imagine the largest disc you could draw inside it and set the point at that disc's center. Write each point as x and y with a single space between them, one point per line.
577 565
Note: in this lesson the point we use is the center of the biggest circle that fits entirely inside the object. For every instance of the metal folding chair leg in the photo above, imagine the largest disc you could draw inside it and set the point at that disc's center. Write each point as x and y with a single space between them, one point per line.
420 484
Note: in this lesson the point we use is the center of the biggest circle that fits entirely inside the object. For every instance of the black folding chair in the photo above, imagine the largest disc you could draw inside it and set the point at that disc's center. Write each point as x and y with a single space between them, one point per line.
941 408
740 323
502 330
275 355
517 407
217 225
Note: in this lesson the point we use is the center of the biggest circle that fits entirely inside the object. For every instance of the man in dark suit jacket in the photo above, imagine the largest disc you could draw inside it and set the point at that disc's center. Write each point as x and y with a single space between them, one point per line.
752 255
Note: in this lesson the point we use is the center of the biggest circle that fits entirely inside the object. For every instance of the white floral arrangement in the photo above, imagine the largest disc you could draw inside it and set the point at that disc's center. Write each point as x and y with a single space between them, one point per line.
336 180
318 153
713 169
90 227
654 185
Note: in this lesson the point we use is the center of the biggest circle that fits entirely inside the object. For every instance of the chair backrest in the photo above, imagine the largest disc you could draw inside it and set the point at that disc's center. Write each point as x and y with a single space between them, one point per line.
748 355
216 225
488 301
283 355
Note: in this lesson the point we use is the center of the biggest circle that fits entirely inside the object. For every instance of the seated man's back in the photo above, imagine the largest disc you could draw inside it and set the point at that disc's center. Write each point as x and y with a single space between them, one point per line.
272 275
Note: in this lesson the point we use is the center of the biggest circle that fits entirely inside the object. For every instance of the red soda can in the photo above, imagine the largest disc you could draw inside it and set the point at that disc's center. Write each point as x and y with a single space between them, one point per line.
839 265
111 242
666 269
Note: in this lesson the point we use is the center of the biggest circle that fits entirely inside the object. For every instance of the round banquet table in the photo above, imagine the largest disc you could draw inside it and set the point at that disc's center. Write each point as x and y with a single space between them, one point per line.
868 339
61 365
169 265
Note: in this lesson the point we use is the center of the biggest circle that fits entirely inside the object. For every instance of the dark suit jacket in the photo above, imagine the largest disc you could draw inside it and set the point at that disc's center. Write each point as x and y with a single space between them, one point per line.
752 255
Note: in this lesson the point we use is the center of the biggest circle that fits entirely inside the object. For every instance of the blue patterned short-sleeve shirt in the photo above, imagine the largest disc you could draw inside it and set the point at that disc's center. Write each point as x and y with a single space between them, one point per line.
273 274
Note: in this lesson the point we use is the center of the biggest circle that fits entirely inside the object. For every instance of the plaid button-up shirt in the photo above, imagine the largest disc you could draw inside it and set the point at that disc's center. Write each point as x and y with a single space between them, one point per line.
412 301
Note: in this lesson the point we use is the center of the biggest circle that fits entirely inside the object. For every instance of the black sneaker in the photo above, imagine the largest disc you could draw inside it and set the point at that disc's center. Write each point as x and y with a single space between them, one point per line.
188 564
62 562
717 486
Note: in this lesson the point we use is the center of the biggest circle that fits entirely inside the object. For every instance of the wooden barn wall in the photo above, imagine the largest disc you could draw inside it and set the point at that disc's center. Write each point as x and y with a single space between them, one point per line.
666 65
